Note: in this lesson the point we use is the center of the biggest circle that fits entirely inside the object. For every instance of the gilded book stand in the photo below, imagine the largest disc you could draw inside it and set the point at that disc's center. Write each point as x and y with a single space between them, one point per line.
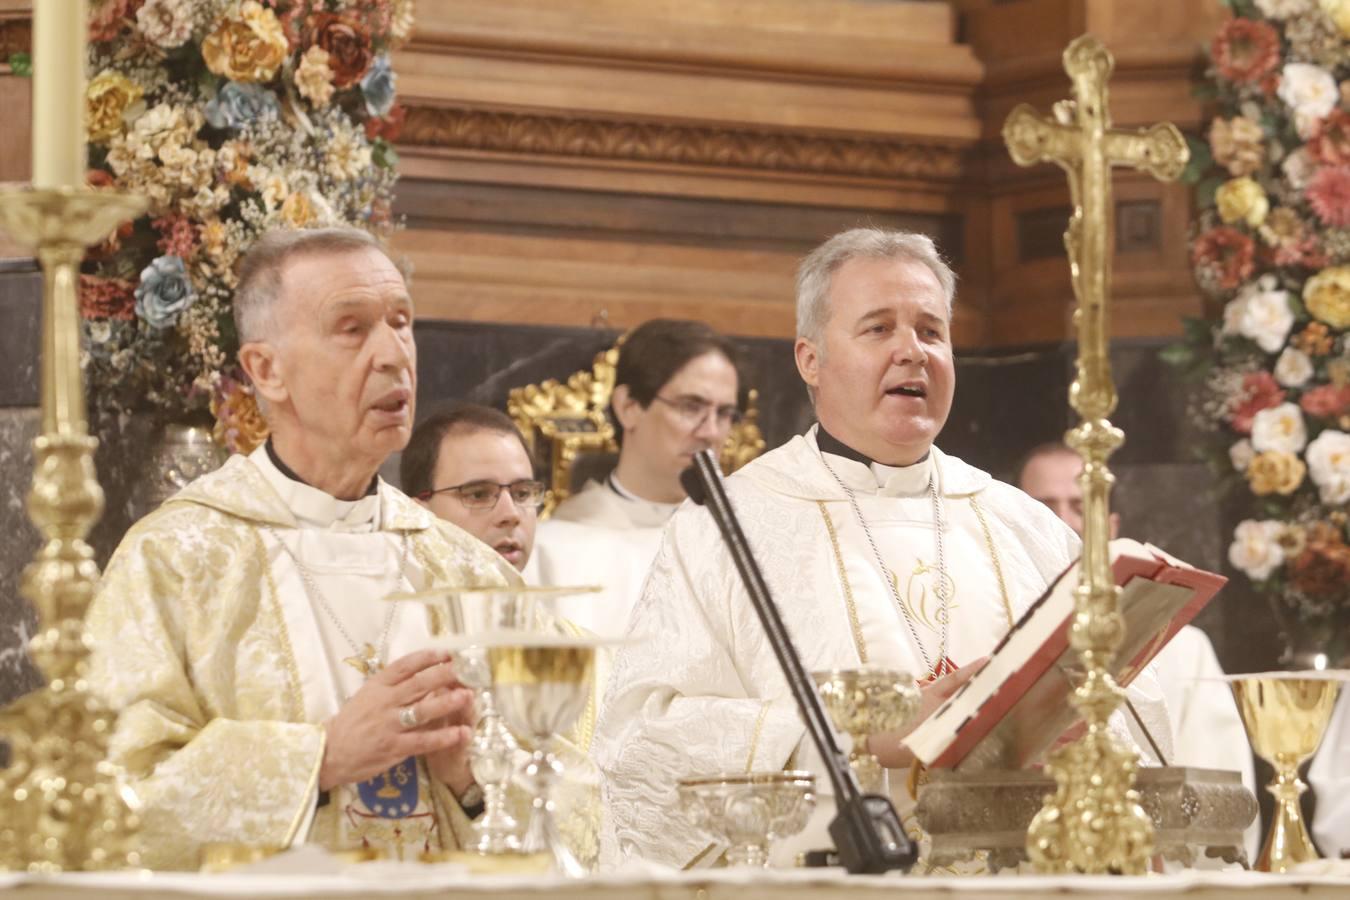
563 421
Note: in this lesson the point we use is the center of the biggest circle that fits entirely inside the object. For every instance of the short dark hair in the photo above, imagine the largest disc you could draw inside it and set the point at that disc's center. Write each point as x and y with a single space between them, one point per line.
417 465
658 348
1049 448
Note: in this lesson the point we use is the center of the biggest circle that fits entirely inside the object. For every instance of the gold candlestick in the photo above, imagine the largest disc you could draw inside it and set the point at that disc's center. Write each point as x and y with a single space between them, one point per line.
1286 717
1094 822
61 806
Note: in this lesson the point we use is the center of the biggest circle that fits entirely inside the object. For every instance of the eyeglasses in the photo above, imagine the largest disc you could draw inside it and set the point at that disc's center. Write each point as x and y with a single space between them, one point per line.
525 493
694 410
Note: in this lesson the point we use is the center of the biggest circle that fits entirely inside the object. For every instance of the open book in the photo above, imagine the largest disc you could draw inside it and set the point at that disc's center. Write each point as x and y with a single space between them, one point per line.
1017 706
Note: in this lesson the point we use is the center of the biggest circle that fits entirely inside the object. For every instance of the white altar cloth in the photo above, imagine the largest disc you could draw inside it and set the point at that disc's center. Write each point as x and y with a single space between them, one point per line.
450 882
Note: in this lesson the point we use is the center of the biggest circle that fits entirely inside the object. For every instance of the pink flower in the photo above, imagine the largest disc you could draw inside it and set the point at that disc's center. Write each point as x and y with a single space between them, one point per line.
1260 391
1329 195
107 18
1326 401
1330 143
106 298
178 236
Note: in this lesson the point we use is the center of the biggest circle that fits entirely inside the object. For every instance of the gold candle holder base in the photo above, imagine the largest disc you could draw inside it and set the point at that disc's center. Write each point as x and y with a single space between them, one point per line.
61 804
1286 715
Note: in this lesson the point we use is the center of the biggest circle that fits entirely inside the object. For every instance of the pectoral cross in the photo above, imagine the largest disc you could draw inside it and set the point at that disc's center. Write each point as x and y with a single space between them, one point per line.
367 662
1093 822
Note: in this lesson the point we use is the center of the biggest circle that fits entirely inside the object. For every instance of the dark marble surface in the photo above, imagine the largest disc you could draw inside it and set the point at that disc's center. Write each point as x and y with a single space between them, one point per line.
18 427
1006 403
20 332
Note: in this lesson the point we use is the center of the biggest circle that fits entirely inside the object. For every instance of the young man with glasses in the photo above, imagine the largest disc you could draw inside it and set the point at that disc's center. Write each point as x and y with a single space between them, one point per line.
676 392
470 467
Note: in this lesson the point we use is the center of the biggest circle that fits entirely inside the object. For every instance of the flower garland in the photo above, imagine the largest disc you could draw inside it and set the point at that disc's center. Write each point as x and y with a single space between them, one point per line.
1272 243
233 117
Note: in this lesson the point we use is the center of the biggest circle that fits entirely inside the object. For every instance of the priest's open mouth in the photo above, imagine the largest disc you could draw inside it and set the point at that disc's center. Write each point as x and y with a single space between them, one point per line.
908 390
393 402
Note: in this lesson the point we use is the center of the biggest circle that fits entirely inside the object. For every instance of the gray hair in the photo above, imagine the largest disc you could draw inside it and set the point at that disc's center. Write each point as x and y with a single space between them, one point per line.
816 272
260 271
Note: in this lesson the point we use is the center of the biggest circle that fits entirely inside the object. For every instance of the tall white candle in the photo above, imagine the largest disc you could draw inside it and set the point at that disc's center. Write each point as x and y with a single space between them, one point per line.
59 34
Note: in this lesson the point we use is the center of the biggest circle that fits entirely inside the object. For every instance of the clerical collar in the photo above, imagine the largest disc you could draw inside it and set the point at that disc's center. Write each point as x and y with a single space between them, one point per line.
890 480
828 443
617 487
286 470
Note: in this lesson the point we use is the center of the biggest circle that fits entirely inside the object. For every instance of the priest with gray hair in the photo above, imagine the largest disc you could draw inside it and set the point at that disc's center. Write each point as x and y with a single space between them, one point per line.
269 694
879 548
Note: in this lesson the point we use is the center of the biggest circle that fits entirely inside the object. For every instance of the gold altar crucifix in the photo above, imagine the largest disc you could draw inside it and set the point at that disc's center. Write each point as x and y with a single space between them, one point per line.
1093 822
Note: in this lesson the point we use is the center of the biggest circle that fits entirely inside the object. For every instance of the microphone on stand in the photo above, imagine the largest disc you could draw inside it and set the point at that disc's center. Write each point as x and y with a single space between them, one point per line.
867 833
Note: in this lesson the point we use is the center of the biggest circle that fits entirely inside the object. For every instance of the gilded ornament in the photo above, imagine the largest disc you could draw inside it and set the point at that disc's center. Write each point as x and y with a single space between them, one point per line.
62 806
1094 821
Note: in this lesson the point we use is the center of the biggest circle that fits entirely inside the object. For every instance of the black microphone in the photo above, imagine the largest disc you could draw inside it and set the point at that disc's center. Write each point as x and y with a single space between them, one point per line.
866 830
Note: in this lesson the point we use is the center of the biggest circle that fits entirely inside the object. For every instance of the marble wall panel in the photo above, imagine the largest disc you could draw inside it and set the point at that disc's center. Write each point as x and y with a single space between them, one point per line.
18 427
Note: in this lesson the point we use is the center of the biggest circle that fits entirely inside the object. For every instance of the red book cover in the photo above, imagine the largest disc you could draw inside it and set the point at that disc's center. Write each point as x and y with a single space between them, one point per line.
1017 706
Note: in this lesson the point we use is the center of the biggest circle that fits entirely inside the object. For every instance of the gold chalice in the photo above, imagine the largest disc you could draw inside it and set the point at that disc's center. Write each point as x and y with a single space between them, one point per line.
542 686
1286 714
748 811
863 701
474 613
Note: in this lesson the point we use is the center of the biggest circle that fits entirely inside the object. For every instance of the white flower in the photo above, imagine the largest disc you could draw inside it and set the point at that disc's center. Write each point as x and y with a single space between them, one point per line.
1233 312
1284 9
1310 91
1265 316
1241 454
1329 465
1256 549
275 190
1298 169
165 23
1279 428
1293 368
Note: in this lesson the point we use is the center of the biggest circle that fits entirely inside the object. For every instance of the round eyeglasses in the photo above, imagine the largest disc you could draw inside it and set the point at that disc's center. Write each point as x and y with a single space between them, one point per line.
525 493
694 410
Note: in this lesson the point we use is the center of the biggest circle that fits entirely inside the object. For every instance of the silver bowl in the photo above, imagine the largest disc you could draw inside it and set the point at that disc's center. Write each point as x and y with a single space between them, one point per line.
748 811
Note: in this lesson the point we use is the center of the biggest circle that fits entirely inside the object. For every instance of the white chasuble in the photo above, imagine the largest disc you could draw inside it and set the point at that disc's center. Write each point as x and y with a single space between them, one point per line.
225 664
703 693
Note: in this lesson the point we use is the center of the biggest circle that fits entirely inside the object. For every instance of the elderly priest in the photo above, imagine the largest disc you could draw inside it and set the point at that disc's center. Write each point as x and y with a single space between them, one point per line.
879 548
269 694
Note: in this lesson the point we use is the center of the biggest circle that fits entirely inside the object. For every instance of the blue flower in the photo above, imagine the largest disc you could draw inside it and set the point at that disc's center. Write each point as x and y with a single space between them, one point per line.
240 104
164 292
378 87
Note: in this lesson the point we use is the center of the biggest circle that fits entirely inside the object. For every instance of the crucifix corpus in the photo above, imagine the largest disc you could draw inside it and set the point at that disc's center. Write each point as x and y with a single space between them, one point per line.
1093 822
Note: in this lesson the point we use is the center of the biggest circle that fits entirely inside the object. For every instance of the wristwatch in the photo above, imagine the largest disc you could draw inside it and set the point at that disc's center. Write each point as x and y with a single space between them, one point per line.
471 801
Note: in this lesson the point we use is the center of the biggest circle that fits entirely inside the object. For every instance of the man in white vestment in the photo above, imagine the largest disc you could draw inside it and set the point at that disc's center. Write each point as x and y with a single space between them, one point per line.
675 393
469 465
879 549
1329 776
1207 731
269 693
